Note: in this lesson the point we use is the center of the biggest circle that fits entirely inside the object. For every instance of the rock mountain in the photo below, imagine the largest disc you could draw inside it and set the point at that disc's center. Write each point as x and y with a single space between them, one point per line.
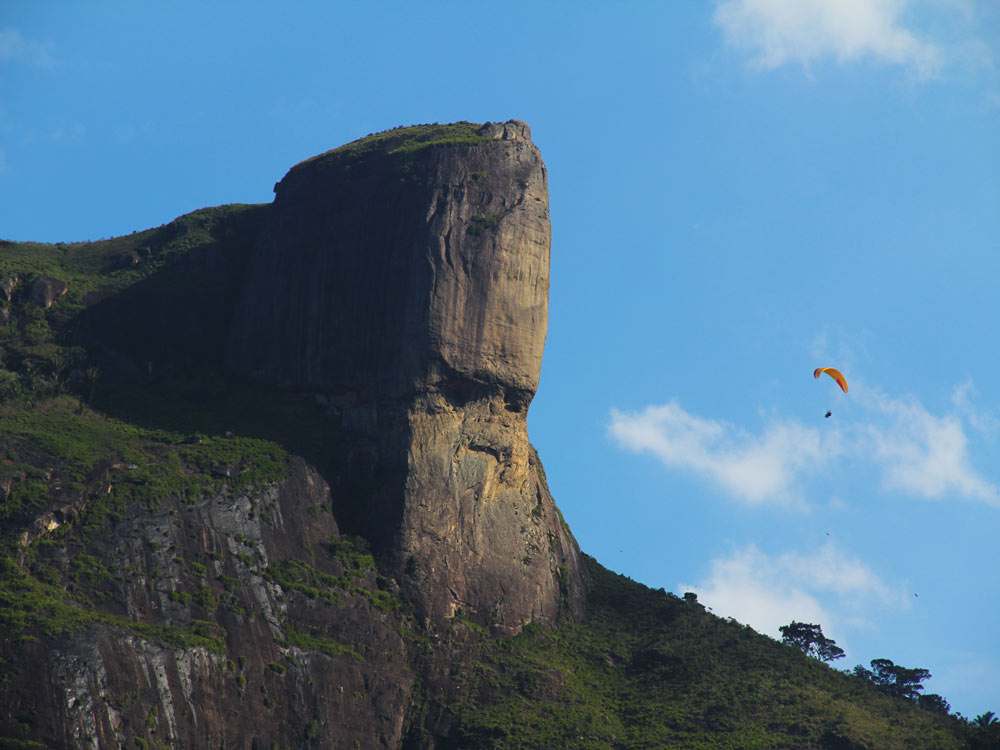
408 284
266 483
401 283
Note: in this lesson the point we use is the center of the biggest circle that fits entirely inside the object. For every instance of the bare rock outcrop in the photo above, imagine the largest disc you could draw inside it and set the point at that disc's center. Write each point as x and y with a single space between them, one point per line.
210 638
8 284
400 269
45 290
405 278
399 284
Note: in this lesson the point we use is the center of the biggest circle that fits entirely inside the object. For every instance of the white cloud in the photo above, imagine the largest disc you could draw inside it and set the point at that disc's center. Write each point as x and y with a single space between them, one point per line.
743 587
962 397
777 32
915 451
767 592
14 46
925 454
755 468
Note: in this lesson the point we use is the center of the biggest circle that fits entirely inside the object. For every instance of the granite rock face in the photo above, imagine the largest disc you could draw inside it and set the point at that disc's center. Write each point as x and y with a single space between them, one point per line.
405 279
327 670
392 273
396 293
45 291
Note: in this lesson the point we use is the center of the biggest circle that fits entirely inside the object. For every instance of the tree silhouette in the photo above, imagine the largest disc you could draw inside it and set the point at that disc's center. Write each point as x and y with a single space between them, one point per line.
935 703
809 639
985 720
894 679
985 732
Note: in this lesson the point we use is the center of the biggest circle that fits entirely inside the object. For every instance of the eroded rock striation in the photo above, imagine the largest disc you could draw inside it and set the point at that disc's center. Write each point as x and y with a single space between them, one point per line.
218 631
405 279
172 582
334 556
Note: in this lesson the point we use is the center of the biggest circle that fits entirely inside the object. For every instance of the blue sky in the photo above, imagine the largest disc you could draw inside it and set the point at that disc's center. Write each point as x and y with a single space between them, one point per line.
741 191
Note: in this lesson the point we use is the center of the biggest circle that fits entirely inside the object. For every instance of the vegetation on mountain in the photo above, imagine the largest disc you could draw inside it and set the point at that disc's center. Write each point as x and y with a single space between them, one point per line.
809 639
403 142
646 669
118 490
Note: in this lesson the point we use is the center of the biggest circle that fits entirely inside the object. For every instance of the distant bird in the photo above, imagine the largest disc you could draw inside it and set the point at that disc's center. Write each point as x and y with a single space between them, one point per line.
828 414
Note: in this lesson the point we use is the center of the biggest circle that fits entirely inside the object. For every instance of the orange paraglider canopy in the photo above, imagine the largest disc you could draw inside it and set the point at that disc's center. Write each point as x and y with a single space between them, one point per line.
835 374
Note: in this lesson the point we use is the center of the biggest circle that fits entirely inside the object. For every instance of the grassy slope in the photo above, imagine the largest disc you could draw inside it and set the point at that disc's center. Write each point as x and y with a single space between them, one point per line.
402 142
96 471
60 455
644 669
91 266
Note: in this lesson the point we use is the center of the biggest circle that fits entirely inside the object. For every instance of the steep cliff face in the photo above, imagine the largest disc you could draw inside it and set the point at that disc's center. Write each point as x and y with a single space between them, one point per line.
238 619
403 263
405 278
179 565
168 583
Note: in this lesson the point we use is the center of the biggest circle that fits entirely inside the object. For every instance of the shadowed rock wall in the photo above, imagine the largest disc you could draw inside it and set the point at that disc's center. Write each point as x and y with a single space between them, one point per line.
401 284
391 272
324 671
407 282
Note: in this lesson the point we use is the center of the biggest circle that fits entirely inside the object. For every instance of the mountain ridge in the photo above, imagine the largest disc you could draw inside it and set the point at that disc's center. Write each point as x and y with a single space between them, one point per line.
228 546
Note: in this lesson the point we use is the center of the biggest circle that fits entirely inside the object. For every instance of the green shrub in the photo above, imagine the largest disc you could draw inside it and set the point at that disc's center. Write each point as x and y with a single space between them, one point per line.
276 667
479 224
